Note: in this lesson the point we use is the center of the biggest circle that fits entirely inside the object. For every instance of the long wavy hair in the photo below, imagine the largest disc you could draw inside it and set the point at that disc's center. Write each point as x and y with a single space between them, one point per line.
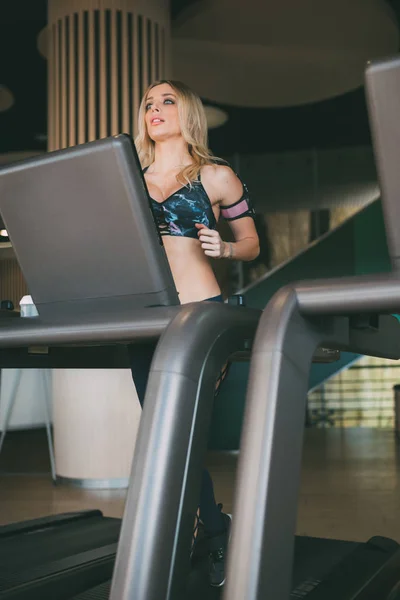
193 124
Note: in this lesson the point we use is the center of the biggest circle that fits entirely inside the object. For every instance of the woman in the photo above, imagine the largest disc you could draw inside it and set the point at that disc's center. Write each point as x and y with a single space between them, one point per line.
189 190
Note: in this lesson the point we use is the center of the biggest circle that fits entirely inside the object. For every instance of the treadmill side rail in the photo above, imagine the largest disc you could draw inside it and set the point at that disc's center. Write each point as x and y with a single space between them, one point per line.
153 552
272 437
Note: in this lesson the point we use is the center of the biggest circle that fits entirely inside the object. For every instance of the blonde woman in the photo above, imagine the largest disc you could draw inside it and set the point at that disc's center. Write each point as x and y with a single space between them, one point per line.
190 189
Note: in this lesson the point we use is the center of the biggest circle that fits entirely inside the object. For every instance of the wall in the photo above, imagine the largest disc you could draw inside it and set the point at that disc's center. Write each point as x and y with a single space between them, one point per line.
309 179
285 187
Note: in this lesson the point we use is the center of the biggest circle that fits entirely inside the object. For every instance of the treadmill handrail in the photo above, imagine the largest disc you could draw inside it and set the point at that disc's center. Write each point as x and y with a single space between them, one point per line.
261 550
164 488
382 86
349 295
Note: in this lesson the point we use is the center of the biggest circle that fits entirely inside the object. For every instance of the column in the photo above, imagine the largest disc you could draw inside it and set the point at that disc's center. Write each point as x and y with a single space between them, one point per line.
102 55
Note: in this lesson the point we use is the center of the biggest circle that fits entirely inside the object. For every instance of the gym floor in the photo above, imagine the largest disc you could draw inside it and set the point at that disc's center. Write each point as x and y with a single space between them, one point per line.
350 486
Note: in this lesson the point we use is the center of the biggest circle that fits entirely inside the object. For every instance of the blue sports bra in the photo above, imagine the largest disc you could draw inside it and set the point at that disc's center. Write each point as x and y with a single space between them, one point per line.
177 214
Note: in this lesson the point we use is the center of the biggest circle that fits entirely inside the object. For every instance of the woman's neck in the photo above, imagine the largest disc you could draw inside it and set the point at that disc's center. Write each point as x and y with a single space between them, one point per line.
170 155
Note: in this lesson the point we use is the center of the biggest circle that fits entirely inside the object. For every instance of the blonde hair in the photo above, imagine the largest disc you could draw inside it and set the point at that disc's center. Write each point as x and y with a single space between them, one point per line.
193 122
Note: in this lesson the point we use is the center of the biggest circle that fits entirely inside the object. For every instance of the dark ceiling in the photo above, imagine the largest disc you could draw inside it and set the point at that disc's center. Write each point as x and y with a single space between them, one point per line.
339 122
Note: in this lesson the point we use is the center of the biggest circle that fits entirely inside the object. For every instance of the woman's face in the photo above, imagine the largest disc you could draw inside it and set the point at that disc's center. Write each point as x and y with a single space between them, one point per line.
162 119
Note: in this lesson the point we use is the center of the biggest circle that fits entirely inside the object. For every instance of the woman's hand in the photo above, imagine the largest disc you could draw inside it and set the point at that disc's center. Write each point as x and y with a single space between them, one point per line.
211 242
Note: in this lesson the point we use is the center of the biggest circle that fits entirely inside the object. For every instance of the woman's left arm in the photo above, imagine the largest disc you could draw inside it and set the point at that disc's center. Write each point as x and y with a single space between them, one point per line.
235 208
246 245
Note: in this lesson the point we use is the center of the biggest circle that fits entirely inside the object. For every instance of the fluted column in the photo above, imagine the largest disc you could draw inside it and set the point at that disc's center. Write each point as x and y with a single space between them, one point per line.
102 54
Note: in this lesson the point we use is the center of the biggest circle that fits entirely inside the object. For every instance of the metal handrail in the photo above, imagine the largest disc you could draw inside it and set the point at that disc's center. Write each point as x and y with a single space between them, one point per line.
293 324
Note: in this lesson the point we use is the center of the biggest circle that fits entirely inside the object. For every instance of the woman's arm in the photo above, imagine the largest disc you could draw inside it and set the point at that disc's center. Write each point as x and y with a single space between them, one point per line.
235 207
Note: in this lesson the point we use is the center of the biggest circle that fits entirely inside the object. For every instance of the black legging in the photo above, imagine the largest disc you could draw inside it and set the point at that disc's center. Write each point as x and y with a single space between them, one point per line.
210 514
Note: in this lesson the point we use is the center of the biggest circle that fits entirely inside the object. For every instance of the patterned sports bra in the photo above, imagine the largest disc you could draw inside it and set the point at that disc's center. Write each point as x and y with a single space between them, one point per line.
177 214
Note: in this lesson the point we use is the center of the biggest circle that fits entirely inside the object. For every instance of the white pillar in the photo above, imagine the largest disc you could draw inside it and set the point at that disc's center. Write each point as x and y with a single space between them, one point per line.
95 415
102 55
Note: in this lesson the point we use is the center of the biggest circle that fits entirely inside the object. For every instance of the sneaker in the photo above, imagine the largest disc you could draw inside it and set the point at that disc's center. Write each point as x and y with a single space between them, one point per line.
218 545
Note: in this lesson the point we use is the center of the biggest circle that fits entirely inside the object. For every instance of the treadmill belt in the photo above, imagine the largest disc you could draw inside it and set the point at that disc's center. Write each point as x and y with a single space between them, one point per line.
197 587
368 572
100 592
314 558
323 569
35 554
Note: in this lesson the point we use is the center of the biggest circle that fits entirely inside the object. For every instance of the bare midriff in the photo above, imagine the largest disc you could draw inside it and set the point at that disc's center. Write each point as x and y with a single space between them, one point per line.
192 272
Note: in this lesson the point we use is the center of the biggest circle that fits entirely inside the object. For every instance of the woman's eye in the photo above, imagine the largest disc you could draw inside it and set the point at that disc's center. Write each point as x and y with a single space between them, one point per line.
166 101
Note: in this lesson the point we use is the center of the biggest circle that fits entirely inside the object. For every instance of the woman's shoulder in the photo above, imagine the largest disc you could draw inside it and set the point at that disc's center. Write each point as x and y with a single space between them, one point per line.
217 169
222 178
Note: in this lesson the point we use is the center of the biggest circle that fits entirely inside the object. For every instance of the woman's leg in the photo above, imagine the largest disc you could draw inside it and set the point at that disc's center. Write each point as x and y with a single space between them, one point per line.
140 358
216 528
210 512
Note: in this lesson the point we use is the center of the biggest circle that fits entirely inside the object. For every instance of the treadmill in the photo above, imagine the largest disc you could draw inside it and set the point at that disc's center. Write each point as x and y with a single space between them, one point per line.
296 319
269 562
57 207
67 197
147 569
347 314
152 556
82 229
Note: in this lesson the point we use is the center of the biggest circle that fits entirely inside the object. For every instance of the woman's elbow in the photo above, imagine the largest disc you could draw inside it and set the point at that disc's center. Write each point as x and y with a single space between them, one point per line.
254 252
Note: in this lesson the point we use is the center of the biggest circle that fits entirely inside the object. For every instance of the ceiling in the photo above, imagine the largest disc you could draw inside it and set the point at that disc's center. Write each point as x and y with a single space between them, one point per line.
280 54
337 122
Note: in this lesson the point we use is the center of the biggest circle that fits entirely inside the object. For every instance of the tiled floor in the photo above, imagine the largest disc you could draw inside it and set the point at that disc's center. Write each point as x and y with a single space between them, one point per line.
350 485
